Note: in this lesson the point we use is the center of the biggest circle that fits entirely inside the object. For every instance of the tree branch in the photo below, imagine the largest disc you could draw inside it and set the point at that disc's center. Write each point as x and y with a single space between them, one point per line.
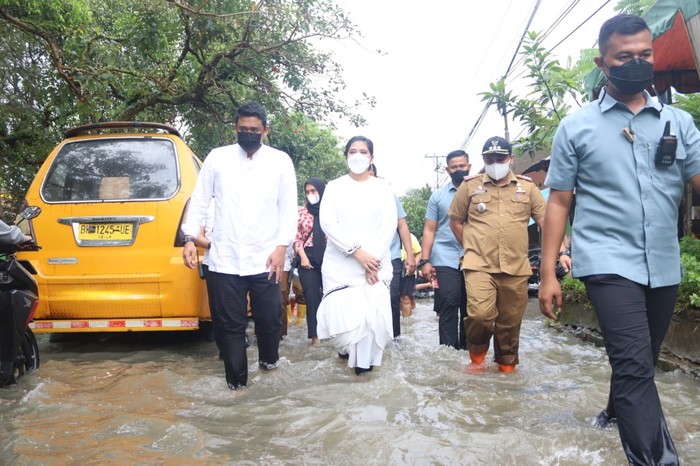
54 50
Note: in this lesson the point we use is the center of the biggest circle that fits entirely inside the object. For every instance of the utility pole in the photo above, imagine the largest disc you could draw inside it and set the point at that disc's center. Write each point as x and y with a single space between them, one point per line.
438 167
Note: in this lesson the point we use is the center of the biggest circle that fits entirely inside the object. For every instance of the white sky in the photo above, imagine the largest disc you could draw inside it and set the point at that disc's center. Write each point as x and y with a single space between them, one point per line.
436 58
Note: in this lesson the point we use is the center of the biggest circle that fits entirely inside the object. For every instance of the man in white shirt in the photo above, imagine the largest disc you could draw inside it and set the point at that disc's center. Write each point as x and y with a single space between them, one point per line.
256 219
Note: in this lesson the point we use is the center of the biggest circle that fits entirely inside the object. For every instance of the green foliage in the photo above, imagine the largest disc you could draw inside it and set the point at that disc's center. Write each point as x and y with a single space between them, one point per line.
689 289
691 104
634 7
415 203
574 291
190 63
690 246
314 150
552 87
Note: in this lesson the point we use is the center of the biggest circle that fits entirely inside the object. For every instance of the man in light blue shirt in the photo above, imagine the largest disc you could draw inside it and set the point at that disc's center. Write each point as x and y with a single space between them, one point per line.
402 236
441 253
624 241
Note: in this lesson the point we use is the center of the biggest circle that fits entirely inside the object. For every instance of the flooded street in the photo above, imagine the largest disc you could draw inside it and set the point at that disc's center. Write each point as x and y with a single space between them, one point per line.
122 399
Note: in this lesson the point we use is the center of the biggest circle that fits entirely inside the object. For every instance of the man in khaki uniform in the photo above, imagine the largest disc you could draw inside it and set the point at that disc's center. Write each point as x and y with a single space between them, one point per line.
489 214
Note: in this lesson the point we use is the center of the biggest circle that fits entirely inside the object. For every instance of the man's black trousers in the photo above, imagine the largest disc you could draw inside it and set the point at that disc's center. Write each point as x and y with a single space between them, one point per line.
312 283
230 319
634 319
395 295
450 301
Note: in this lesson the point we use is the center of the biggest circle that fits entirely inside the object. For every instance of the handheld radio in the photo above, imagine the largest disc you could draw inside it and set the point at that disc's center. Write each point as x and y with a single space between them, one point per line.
666 153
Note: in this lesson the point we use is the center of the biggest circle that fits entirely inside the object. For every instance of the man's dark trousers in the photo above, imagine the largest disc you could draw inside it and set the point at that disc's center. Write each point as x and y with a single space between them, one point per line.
450 301
395 295
634 319
230 319
312 283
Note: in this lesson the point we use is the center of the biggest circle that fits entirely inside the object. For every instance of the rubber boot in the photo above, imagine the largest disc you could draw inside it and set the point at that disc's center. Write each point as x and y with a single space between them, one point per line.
506 367
290 314
301 314
477 358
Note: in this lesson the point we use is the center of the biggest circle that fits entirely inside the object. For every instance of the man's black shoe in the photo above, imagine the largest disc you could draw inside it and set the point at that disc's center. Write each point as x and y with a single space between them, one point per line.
362 370
343 356
603 420
269 366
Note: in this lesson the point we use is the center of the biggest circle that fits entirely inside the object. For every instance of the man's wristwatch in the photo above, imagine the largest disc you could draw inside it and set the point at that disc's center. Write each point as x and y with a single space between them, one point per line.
351 250
189 239
565 253
422 262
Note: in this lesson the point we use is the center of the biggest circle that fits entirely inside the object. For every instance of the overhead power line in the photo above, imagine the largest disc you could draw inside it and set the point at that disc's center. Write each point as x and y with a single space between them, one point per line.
549 30
490 101
579 26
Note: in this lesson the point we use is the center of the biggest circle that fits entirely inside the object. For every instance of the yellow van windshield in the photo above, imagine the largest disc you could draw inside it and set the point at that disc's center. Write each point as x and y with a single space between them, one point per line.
112 169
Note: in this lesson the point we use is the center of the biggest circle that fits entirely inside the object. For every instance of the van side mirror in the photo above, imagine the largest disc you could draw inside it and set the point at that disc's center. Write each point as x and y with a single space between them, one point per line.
30 212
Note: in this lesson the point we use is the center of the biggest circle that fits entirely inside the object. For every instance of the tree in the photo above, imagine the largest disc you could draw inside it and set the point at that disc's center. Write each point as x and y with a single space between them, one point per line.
314 150
691 104
186 62
634 7
552 88
415 203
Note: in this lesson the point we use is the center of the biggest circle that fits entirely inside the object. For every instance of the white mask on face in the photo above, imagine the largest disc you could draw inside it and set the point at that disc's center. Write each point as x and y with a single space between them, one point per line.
313 198
358 163
498 171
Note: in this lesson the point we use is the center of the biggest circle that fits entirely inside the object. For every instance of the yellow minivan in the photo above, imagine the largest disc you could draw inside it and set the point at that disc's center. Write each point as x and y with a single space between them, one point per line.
113 197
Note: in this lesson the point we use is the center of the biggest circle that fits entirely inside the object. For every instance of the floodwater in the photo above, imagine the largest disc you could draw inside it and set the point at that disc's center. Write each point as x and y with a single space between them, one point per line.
126 399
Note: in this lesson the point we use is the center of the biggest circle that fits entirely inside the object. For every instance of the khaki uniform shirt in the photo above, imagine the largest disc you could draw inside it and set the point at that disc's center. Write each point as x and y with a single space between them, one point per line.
495 221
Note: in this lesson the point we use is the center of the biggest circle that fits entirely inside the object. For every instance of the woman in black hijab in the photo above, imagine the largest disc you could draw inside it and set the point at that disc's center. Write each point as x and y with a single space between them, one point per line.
310 245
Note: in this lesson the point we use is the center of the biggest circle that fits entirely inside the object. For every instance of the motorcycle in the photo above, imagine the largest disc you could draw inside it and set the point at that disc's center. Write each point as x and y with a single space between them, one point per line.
533 283
19 298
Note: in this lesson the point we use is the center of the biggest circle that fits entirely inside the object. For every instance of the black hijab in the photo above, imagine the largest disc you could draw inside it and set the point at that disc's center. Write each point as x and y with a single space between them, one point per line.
319 235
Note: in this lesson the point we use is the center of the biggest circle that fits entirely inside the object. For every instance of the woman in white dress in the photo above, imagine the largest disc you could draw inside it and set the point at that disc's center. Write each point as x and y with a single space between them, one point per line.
358 215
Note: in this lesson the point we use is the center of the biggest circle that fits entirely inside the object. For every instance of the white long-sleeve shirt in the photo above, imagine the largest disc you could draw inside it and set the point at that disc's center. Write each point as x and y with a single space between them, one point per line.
255 207
356 212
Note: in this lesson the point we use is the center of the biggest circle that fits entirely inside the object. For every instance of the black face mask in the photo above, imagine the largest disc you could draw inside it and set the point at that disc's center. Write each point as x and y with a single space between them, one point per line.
458 176
632 77
250 142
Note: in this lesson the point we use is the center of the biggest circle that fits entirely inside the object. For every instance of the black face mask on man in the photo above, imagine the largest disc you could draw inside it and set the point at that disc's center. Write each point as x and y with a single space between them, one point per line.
632 77
458 176
249 142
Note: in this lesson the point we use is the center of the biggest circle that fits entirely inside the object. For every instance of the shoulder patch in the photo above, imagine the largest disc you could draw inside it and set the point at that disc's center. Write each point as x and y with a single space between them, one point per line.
523 177
471 177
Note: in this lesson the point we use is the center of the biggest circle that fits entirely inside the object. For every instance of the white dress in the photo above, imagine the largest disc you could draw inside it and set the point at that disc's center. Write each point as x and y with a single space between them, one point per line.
356 315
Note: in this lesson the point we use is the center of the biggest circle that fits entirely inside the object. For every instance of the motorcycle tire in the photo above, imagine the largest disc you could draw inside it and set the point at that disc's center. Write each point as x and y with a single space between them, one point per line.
28 357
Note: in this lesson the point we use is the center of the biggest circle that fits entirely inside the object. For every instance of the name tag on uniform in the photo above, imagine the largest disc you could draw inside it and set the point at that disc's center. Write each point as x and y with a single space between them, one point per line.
479 190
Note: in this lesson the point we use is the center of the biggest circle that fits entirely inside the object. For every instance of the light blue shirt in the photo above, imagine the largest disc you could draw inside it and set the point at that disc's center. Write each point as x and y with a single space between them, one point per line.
446 249
396 242
626 219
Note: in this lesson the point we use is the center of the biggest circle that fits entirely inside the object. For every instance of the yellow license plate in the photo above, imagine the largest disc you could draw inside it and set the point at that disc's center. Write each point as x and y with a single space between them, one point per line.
105 231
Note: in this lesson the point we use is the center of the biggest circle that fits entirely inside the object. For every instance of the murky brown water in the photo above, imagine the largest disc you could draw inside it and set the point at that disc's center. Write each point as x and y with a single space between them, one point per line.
122 399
